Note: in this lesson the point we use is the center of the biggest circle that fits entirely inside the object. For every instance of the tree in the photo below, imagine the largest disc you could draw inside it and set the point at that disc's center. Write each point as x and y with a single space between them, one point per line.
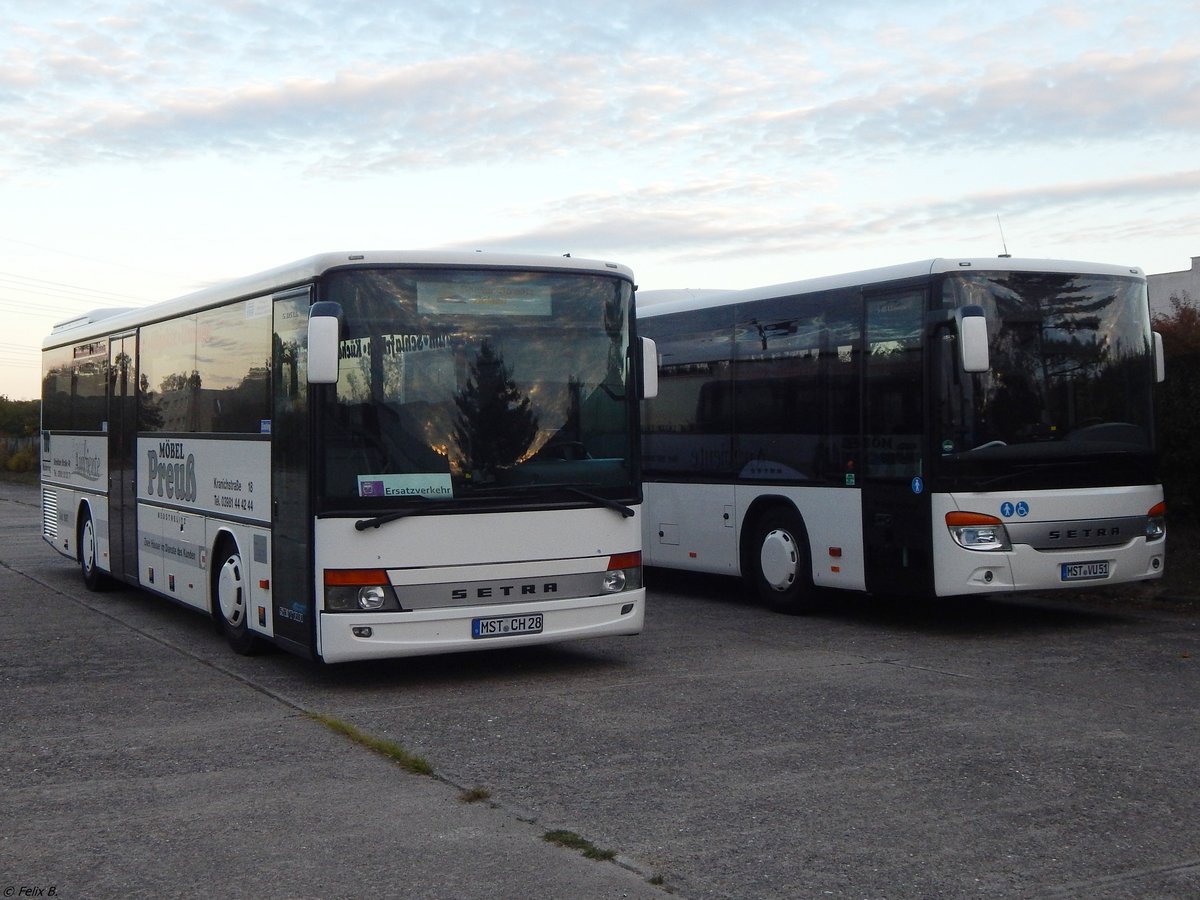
19 418
1177 406
496 425
1181 327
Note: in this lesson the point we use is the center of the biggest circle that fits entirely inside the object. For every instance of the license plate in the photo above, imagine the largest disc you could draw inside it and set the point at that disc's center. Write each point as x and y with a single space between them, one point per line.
1087 571
506 626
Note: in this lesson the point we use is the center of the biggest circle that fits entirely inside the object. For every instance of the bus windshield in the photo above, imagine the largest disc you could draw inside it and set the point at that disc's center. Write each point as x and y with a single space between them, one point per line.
1069 385
483 386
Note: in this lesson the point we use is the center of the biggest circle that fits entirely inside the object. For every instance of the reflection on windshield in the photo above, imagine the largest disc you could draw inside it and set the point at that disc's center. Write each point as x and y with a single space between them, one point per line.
1071 369
496 425
459 383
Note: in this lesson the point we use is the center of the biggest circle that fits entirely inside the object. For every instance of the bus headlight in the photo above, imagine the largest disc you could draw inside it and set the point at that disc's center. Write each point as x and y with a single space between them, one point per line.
614 581
371 597
624 573
977 531
359 590
1156 522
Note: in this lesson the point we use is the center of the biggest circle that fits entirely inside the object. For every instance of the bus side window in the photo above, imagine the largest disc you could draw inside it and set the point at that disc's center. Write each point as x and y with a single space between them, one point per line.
687 428
894 421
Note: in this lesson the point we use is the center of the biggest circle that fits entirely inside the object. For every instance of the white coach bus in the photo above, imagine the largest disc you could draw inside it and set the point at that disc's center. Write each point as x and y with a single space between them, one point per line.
361 455
944 428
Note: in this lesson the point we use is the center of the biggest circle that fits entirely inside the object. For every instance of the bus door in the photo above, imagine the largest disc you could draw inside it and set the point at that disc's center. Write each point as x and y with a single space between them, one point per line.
293 612
122 443
896 508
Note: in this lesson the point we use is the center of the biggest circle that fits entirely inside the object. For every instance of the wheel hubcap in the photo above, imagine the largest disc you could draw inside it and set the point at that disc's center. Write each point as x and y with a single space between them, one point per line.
229 591
779 560
89 546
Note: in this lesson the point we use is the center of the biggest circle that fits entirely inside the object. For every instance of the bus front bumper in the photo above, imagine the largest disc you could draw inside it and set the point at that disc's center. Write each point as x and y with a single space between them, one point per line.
345 637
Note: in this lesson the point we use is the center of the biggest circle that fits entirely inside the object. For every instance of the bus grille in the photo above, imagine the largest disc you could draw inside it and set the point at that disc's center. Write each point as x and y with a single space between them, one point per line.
50 513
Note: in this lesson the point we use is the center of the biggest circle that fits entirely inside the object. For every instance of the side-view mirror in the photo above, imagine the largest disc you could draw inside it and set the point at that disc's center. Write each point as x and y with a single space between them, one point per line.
1160 359
649 369
324 342
972 338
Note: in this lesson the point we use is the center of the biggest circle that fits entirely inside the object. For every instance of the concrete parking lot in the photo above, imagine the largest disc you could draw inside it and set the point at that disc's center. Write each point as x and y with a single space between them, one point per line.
1029 748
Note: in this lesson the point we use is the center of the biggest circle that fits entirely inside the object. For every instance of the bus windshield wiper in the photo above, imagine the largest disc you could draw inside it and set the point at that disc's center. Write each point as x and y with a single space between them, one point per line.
614 505
425 506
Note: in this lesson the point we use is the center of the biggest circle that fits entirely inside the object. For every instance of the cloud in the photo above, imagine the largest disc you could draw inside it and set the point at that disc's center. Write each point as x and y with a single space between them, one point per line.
719 221
768 89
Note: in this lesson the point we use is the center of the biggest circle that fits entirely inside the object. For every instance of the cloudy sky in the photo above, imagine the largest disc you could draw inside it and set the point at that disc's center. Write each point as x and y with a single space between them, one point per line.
153 147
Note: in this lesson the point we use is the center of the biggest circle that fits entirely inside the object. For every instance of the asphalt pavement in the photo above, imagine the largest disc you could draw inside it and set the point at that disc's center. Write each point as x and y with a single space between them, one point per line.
1033 747
134 766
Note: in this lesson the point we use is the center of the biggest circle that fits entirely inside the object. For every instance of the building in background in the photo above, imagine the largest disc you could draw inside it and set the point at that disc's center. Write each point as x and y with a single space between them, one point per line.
1185 285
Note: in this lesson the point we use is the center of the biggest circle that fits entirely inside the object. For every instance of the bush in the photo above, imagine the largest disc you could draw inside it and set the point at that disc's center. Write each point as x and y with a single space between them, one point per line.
24 460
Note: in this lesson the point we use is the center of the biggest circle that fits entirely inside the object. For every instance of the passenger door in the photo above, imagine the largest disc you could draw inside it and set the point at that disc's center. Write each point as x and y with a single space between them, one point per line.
293 606
122 468
896 508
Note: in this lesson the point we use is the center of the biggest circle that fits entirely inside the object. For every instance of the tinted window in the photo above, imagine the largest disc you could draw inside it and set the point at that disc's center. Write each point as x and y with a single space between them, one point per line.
75 387
167 380
233 360
57 373
208 372
688 427
91 386
894 407
796 400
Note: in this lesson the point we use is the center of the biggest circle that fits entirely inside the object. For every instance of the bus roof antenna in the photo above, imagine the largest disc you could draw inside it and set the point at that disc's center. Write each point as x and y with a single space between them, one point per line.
1003 243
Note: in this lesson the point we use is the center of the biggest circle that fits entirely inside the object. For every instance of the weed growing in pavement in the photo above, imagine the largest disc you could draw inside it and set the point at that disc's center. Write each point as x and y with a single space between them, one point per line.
572 841
416 764
475 795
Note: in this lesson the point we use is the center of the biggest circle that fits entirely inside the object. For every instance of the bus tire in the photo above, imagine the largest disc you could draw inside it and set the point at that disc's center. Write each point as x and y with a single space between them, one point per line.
93 578
779 566
231 600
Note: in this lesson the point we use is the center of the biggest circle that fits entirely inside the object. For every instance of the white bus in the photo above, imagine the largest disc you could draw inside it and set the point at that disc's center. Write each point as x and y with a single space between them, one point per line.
361 455
945 428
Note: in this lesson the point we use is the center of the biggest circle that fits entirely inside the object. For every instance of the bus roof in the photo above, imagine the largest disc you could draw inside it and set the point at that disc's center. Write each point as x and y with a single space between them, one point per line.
657 303
105 321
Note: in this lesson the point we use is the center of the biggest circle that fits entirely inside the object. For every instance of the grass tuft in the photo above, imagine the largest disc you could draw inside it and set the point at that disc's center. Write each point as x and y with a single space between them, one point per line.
475 795
418 765
572 841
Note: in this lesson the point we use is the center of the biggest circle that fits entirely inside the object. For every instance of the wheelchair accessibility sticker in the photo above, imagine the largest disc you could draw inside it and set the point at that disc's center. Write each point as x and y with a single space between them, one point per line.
1008 509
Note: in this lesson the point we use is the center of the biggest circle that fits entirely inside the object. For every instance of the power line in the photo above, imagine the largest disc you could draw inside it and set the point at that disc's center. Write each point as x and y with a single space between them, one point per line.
22 308
107 262
11 307
77 302
29 283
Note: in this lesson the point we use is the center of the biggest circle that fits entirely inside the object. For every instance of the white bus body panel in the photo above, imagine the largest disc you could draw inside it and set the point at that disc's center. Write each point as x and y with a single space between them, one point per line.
60 521
433 552
184 484
833 518
1023 568
75 473
692 527
697 526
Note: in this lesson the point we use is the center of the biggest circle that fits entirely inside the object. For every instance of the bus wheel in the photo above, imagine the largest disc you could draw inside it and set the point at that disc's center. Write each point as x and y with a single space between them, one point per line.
779 562
93 578
232 596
